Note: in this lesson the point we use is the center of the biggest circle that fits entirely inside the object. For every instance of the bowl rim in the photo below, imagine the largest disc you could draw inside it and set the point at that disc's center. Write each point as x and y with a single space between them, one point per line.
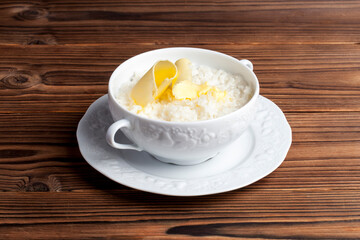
197 122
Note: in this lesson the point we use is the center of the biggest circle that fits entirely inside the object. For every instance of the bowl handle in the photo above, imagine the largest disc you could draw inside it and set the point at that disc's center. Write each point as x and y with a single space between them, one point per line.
112 130
247 64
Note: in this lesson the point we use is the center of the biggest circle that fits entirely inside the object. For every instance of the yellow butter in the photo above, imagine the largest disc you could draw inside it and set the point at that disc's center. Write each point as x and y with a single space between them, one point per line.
184 88
167 96
218 94
184 67
189 90
155 81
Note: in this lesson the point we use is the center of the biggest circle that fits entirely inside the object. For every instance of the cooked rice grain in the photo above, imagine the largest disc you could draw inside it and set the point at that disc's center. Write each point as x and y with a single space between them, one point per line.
206 107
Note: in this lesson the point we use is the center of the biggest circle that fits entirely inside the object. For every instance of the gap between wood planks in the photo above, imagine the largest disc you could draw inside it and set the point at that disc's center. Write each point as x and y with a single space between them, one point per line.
187 44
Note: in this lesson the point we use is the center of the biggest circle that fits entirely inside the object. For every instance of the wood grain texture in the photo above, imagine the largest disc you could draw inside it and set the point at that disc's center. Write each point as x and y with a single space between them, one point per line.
287 214
179 22
57 57
297 77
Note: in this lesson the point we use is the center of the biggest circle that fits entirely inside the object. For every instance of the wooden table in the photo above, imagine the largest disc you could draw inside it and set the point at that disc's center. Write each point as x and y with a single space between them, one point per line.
57 57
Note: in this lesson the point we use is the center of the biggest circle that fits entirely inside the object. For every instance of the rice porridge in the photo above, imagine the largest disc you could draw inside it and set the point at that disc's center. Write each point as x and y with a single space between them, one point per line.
219 93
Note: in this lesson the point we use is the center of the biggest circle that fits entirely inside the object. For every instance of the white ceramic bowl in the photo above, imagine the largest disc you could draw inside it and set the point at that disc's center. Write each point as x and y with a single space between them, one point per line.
182 143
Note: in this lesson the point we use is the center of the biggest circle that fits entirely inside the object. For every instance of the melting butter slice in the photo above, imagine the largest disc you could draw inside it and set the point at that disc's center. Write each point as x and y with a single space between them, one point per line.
184 67
189 90
155 81
184 88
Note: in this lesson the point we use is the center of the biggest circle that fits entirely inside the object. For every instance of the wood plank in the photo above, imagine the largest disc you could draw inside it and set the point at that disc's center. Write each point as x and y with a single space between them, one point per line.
299 78
57 57
325 127
41 149
285 214
28 167
59 128
220 22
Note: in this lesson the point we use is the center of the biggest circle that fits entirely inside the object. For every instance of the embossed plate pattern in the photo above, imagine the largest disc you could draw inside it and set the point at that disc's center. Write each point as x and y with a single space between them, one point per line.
266 143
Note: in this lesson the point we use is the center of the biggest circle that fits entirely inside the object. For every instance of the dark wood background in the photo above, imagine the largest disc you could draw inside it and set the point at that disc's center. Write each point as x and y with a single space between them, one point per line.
56 58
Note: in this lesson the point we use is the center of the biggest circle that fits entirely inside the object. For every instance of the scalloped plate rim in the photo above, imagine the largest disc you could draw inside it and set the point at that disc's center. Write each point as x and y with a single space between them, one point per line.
158 190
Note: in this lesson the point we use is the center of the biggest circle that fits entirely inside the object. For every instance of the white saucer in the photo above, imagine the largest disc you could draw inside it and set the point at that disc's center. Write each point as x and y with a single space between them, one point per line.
268 140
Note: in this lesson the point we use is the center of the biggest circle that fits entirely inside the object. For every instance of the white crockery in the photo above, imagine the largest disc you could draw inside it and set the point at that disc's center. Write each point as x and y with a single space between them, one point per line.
264 146
181 143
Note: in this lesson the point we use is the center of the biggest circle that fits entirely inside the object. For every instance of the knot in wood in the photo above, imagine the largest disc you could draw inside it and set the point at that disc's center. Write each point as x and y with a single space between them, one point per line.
20 80
32 14
37 187
43 39
40 184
